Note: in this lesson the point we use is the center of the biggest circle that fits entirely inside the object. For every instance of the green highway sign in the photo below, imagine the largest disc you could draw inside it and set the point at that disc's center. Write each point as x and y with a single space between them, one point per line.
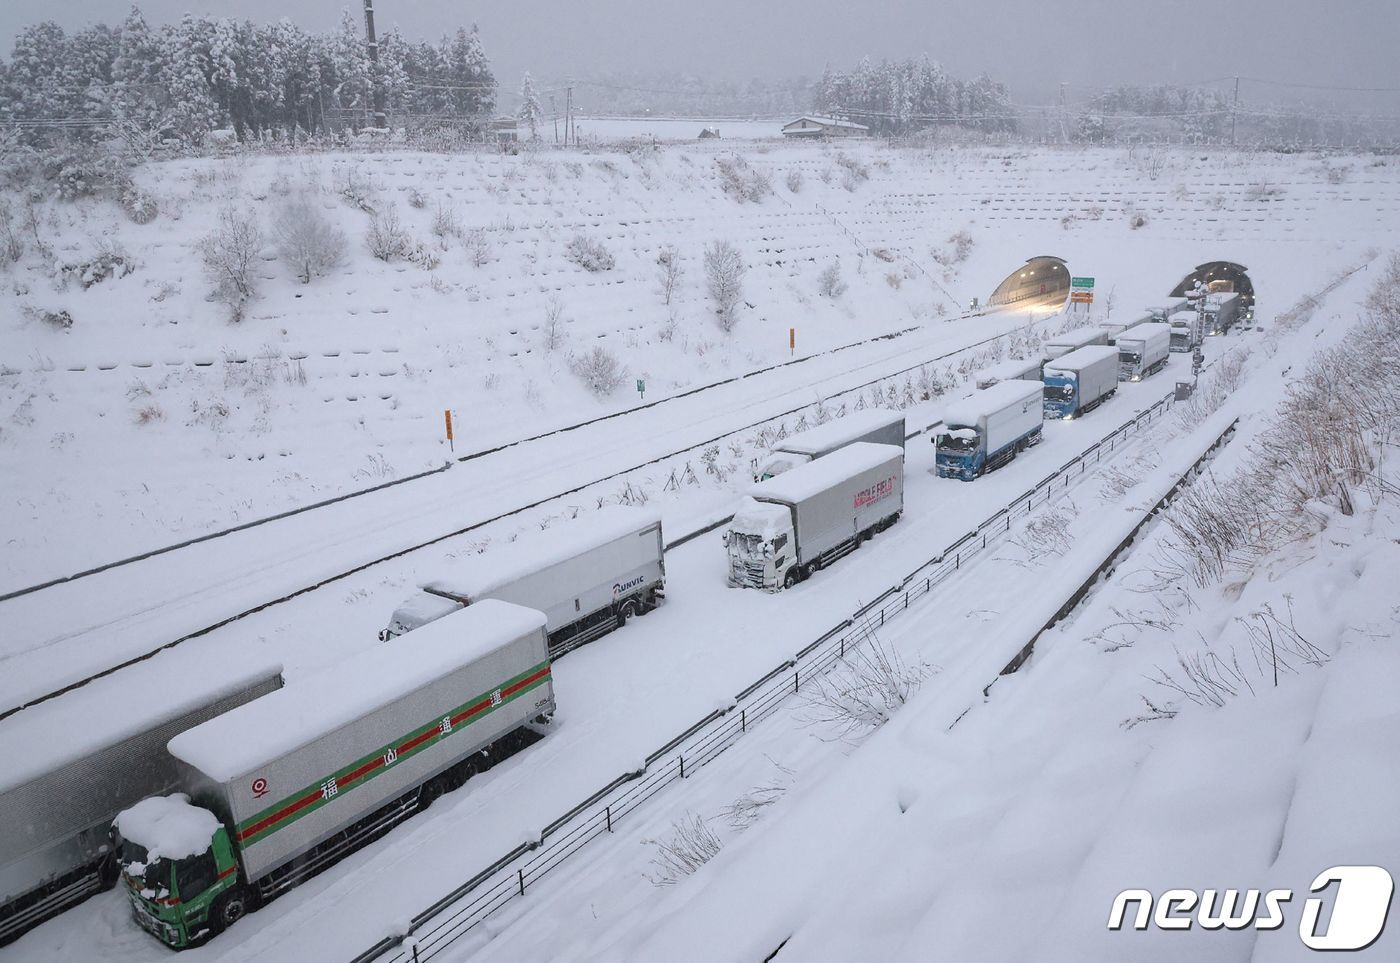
1085 283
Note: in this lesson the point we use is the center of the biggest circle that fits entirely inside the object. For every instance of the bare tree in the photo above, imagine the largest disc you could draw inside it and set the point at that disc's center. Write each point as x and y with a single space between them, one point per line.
599 370
669 270
829 282
228 254
307 239
553 326
724 277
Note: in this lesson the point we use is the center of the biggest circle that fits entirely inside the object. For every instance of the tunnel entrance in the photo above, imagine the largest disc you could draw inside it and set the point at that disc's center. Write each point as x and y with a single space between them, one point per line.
1219 276
1042 279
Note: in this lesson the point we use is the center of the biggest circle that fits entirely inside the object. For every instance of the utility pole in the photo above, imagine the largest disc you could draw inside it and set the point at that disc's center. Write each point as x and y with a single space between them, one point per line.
1064 111
568 113
1234 110
373 47
554 110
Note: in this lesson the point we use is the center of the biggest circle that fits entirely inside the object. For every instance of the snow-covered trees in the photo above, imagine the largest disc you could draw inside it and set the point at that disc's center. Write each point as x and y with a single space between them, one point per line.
530 112
201 73
307 239
228 254
896 97
724 279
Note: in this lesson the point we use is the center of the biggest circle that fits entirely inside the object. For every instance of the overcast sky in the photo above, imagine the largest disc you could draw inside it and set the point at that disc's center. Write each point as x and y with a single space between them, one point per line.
1029 44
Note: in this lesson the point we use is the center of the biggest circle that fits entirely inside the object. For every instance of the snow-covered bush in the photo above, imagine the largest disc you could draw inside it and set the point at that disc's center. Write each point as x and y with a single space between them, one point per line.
478 245
11 242
139 206
416 199
829 283
589 254
599 370
794 180
110 261
955 250
307 240
228 254
691 845
742 182
863 690
386 237
724 279
445 224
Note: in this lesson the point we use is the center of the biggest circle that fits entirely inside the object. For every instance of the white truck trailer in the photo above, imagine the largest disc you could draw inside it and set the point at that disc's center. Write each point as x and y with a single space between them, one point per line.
790 526
282 787
1188 330
1079 381
1012 369
1222 311
1116 329
987 429
880 426
1143 351
587 575
1063 344
72 763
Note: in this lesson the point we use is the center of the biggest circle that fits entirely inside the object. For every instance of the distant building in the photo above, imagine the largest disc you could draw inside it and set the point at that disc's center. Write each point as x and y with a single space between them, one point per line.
506 130
708 132
824 127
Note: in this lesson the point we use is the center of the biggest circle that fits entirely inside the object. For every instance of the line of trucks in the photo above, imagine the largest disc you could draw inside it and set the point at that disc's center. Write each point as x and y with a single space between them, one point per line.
209 802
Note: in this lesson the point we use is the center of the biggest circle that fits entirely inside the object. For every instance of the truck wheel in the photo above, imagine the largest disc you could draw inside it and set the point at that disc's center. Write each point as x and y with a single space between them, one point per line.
228 909
108 872
430 792
623 613
790 579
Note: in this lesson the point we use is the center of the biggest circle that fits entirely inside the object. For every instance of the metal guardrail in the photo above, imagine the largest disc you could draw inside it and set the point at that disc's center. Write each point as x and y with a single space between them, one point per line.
462 909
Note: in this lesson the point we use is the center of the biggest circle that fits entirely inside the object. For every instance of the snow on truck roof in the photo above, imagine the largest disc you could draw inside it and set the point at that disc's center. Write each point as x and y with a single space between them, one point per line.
1144 331
839 429
256 733
169 827
987 401
817 476
107 711
1081 358
476 575
1008 370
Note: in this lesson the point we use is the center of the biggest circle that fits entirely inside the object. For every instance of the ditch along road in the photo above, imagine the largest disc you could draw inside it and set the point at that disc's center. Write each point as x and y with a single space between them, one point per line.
70 632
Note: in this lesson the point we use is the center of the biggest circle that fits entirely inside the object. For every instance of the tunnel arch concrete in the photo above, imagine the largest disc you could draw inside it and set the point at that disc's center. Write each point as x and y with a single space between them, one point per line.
1042 278
1220 276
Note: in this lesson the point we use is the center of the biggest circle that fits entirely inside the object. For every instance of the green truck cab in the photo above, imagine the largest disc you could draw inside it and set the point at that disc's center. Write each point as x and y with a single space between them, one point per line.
185 899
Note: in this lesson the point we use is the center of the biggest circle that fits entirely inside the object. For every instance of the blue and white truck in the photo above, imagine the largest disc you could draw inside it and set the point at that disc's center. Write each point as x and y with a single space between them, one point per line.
988 428
1143 351
1079 381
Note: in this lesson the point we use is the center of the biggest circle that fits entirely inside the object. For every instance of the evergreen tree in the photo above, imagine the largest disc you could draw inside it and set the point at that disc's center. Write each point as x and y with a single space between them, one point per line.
530 113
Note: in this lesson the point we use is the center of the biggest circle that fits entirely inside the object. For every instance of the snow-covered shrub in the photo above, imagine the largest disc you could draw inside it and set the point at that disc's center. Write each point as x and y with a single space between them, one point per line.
692 844
423 256
354 187
228 254
478 245
1136 219
553 338
147 414
955 250
829 283
669 271
84 172
386 237
139 206
863 690
445 224
599 370
894 279
724 279
307 240
59 320
589 254
416 199
11 242
794 180
110 261
742 182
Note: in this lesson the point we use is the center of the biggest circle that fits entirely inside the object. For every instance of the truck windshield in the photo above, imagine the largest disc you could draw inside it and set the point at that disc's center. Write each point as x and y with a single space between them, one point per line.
748 545
1130 357
953 443
135 862
1059 392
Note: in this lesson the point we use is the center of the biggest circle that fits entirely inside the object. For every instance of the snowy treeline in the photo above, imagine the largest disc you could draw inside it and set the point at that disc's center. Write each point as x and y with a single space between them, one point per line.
897 97
204 73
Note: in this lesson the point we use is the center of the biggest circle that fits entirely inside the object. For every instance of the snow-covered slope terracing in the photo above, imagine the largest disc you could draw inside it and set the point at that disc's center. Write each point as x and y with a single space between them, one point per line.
154 418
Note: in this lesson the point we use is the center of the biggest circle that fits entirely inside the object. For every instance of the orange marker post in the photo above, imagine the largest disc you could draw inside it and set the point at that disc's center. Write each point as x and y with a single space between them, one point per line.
447 415
792 340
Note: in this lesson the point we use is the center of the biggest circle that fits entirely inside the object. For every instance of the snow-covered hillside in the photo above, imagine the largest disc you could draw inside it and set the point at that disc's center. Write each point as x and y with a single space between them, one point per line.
341 383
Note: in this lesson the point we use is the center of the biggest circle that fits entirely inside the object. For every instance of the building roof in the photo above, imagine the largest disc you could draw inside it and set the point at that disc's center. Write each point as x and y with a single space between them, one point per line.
827 122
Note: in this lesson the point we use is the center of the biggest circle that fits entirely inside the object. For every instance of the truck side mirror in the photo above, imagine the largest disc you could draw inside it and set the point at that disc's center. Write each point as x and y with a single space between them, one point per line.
724 538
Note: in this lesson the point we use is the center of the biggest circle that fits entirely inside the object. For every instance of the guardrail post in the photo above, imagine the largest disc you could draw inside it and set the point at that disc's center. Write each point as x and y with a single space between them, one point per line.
520 874
744 713
795 673
415 953
906 600
682 759
609 819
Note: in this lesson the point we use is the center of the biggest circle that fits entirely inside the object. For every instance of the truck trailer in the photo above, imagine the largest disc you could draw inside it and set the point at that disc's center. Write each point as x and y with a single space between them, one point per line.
74 762
1222 311
1013 369
987 429
1143 351
880 426
278 789
1063 344
1188 330
1167 311
1116 330
588 576
790 526
1079 382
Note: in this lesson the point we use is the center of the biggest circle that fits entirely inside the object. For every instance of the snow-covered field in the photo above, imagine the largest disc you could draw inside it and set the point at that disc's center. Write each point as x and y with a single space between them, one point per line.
359 368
